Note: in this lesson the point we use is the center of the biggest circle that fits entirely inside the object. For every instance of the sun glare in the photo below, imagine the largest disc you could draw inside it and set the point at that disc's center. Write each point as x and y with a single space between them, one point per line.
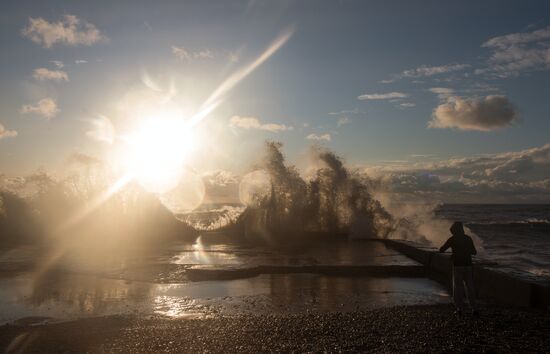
157 150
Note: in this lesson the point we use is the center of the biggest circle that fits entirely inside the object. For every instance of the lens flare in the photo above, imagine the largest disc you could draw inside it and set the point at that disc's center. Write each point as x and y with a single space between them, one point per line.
157 151
187 195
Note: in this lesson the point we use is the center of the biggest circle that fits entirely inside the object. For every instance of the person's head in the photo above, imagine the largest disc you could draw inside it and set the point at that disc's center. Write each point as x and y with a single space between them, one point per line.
457 228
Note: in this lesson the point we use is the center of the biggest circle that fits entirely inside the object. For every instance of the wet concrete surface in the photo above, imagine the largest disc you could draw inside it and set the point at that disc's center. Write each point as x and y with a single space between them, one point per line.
207 251
209 278
71 296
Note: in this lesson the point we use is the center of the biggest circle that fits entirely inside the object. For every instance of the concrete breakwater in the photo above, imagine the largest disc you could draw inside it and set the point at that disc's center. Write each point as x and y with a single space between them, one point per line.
382 258
493 282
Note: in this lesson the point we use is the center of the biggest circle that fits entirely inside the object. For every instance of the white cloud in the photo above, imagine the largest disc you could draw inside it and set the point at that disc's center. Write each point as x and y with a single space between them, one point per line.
345 112
57 63
407 105
443 92
180 53
47 74
489 113
203 54
46 107
343 120
70 31
481 87
80 61
254 123
183 54
420 156
6 133
517 52
518 38
425 70
382 96
320 137
272 127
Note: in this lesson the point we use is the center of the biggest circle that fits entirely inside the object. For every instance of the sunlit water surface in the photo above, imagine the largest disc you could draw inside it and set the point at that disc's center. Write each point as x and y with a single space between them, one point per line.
157 285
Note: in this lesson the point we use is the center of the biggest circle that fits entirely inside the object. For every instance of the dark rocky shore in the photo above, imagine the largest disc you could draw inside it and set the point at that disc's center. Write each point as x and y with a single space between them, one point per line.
432 328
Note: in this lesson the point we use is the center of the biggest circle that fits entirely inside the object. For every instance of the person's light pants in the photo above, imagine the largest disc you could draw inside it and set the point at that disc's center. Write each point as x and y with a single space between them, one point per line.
463 282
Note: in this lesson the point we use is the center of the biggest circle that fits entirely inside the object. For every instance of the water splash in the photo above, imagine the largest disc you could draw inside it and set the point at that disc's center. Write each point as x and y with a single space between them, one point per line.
333 202
39 210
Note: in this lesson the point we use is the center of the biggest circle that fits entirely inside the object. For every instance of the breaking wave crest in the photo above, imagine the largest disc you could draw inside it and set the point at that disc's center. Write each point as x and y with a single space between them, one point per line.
333 201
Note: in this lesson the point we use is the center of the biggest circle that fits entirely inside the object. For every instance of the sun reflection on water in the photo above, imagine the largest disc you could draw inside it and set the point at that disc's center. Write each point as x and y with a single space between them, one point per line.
202 254
176 307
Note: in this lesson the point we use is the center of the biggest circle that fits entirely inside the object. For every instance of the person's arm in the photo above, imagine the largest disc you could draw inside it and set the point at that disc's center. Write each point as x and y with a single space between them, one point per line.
446 245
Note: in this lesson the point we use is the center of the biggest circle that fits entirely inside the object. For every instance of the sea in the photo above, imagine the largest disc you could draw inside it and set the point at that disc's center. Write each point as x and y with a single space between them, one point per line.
513 235
517 237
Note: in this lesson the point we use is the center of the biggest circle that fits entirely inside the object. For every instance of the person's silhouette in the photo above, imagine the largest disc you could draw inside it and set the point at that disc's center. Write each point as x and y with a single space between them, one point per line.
463 249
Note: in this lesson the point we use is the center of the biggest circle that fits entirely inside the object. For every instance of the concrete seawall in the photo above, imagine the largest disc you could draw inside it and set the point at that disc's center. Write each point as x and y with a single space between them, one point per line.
493 283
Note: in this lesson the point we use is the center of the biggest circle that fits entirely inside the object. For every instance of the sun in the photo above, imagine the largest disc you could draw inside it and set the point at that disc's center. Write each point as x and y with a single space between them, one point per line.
156 152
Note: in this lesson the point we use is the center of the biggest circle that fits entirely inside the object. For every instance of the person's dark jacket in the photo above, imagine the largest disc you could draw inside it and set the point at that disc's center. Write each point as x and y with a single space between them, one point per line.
462 246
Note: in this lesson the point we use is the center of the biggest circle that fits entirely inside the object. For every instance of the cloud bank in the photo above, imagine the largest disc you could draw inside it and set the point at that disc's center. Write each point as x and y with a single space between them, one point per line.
520 176
254 123
69 31
489 113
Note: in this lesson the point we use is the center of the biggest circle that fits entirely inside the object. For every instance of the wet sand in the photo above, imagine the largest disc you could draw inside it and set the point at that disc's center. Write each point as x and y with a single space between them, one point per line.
431 328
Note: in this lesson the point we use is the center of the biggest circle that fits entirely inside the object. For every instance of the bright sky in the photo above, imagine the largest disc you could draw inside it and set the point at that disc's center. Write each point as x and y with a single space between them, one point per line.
394 86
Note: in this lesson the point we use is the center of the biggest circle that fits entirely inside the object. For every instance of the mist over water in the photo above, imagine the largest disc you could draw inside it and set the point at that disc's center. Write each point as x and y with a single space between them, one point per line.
280 205
331 201
60 218
73 224
72 220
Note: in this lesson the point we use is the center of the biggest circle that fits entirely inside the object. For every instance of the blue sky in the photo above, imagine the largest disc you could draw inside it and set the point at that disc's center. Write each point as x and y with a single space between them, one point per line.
477 70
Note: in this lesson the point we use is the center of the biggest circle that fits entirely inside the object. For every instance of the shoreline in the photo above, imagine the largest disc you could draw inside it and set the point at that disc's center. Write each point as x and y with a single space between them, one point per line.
426 328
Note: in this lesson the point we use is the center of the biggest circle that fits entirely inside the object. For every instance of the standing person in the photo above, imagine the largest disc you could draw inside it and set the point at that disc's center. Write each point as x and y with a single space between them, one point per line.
463 249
